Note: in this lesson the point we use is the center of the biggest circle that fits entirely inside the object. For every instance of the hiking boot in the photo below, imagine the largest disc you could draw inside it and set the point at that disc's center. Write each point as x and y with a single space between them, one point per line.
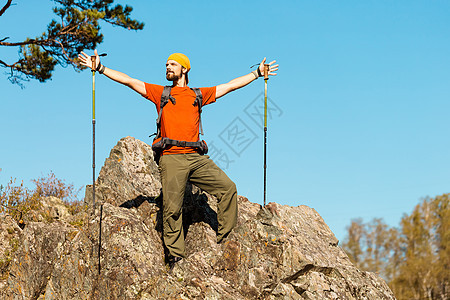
172 260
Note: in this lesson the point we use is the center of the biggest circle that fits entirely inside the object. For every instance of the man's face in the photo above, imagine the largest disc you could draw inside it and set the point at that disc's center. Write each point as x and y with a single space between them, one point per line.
173 70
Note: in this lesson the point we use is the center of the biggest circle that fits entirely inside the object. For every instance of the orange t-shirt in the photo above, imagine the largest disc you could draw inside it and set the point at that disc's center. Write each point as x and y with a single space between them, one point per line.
180 121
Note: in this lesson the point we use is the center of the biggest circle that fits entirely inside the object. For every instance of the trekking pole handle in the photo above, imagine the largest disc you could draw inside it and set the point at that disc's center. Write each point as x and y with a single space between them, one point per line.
266 71
93 58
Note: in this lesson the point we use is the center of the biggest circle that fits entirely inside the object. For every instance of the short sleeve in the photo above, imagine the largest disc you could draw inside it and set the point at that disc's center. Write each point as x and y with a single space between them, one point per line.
153 92
209 95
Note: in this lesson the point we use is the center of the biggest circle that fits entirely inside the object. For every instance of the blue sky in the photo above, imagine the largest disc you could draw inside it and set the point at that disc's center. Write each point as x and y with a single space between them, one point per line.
359 124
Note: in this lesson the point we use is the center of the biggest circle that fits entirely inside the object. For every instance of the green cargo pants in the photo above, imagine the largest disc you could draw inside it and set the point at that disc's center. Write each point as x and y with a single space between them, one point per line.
175 171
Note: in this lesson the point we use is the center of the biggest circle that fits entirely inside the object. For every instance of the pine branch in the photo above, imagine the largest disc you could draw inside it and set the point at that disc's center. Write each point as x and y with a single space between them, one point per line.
13 66
28 42
5 64
78 29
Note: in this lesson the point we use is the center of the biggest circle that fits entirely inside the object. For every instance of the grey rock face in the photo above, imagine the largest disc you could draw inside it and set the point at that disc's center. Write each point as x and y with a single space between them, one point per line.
276 252
129 173
54 208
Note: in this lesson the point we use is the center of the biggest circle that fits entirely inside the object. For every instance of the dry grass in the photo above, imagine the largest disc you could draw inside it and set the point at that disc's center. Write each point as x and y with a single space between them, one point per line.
18 201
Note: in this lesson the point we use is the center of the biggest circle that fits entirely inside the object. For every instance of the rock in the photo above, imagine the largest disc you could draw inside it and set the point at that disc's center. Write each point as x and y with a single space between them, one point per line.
131 257
48 209
129 174
275 252
10 236
54 208
33 262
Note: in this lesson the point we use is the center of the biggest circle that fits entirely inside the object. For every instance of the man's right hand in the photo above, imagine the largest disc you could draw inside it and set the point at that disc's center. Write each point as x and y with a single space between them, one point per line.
85 60
135 84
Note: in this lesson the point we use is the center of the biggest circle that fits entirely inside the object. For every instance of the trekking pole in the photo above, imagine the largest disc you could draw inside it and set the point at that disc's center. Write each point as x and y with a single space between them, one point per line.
93 58
100 238
93 69
266 77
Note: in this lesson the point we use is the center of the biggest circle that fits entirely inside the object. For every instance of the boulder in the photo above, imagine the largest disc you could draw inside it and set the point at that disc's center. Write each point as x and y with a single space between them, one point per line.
274 252
54 208
129 173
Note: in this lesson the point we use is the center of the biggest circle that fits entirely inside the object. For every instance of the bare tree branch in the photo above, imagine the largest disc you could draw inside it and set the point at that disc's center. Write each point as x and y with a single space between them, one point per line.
7 5
4 64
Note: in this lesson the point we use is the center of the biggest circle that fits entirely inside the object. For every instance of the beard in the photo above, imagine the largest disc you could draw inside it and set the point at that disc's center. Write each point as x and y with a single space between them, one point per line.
171 76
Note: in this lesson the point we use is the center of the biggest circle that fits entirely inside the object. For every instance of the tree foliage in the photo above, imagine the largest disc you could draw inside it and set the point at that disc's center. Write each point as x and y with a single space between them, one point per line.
76 29
370 246
415 258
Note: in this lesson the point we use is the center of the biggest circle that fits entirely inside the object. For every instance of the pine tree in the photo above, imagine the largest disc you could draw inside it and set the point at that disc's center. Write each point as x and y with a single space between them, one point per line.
77 29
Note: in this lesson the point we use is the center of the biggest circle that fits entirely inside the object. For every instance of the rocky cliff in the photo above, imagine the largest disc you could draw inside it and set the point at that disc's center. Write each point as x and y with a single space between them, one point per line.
276 252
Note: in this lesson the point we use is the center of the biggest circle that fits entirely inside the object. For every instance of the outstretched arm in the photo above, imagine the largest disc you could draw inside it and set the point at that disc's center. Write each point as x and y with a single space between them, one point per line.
237 83
120 77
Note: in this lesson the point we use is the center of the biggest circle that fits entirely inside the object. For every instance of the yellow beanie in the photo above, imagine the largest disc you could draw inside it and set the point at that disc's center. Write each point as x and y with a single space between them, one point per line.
181 59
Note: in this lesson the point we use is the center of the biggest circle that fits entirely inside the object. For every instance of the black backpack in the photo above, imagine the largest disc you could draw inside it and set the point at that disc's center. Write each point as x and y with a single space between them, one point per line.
160 143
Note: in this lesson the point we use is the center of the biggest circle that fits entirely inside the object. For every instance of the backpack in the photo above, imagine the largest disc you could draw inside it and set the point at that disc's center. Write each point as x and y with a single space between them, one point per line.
160 143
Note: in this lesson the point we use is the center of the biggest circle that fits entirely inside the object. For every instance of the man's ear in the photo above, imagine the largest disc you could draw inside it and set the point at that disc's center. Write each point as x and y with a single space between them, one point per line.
183 70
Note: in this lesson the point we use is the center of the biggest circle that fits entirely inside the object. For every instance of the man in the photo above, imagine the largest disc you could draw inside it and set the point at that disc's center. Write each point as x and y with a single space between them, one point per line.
178 164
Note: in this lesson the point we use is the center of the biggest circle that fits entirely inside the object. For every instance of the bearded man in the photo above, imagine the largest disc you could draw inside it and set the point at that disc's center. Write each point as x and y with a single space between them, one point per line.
184 159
